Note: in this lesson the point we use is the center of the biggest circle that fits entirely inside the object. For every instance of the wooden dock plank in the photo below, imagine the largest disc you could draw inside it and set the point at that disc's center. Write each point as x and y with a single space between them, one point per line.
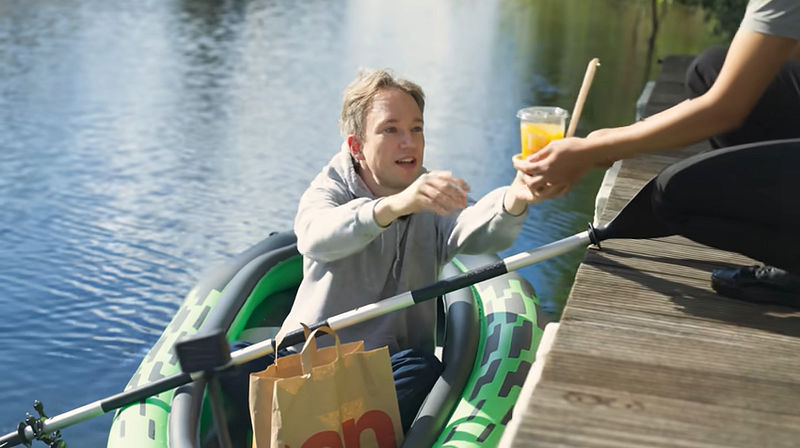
626 291
689 261
648 355
608 418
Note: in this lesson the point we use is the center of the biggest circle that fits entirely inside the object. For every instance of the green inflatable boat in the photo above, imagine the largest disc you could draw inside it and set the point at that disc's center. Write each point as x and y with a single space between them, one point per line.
489 334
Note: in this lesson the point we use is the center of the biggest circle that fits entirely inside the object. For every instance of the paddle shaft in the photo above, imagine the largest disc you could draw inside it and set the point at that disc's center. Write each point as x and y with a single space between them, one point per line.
294 337
587 83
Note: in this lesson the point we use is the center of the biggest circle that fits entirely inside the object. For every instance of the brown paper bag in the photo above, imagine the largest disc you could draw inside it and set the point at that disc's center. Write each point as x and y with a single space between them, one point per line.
336 397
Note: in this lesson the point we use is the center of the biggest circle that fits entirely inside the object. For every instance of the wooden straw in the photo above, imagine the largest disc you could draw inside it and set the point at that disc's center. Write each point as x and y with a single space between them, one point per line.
587 82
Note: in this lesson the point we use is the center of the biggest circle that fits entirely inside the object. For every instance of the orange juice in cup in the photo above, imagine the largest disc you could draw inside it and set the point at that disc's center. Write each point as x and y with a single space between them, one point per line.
539 126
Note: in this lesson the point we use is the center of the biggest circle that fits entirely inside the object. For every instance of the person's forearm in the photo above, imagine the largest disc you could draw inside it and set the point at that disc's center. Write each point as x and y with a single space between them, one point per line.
482 227
751 63
671 111
387 210
328 233
513 204
684 124
660 115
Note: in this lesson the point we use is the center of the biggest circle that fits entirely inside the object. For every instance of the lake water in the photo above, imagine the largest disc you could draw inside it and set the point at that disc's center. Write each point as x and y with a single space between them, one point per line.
144 142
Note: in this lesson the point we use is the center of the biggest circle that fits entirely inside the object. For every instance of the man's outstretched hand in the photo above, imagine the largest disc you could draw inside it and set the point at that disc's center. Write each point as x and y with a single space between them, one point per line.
436 191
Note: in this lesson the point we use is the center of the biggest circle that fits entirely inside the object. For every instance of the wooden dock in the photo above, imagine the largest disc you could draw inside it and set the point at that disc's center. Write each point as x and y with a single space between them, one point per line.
647 355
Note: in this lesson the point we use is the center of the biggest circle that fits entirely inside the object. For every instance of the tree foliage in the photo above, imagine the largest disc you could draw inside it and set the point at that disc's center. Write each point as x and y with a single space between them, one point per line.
726 14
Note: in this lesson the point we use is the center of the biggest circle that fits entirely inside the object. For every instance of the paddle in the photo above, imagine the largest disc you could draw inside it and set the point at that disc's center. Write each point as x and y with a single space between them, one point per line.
634 221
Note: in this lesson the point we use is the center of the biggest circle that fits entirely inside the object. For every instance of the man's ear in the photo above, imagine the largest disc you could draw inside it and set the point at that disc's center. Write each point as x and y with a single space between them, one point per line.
355 147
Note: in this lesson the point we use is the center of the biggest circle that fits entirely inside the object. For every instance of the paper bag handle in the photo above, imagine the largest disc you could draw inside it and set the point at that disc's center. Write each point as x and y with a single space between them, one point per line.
280 337
305 354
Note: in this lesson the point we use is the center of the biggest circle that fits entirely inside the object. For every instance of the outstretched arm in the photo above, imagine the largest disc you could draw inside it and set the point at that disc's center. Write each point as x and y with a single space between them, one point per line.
752 62
330 227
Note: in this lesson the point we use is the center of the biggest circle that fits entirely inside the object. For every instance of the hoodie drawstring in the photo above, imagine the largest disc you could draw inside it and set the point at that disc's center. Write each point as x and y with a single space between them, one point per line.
396 262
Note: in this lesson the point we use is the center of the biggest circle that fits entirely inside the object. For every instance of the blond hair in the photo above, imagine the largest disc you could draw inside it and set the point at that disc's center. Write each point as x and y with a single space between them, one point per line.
359 94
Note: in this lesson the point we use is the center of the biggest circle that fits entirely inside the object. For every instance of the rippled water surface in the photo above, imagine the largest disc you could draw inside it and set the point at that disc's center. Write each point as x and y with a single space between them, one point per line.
143 142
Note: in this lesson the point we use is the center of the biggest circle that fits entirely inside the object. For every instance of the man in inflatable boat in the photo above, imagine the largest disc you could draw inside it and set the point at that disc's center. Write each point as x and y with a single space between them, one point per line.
375 223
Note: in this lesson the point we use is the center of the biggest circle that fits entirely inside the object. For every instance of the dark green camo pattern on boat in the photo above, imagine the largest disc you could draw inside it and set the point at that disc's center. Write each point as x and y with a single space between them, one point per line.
510 336
145 424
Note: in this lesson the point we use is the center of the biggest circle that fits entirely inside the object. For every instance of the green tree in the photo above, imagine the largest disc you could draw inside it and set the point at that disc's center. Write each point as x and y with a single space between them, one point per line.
726 14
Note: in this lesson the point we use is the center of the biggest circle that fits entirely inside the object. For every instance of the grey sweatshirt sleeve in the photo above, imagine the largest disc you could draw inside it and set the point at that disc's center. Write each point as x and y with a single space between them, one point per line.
330 225
481 228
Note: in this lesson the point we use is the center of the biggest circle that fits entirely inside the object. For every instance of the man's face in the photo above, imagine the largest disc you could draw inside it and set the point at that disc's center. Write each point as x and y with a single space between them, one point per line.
390 157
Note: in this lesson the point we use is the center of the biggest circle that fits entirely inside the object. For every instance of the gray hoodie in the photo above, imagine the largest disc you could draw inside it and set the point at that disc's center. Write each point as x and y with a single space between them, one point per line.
350 261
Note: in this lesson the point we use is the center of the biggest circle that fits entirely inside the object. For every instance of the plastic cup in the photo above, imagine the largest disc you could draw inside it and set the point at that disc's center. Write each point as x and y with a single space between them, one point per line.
539 126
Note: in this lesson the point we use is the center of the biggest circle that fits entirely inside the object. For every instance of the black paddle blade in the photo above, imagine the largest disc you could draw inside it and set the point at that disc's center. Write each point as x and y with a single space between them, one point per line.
636 220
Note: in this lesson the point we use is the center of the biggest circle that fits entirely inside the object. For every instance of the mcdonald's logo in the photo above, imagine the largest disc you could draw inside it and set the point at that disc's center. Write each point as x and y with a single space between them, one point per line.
377 422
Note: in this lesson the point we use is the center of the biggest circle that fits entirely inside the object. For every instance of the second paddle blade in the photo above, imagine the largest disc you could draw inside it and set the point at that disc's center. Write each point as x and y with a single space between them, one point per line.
636 220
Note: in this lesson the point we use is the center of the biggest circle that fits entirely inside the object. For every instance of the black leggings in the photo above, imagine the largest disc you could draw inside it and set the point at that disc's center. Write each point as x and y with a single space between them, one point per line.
743 198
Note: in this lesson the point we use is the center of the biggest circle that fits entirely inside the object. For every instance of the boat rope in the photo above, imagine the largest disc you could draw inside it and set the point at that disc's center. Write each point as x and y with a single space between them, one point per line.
53 439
